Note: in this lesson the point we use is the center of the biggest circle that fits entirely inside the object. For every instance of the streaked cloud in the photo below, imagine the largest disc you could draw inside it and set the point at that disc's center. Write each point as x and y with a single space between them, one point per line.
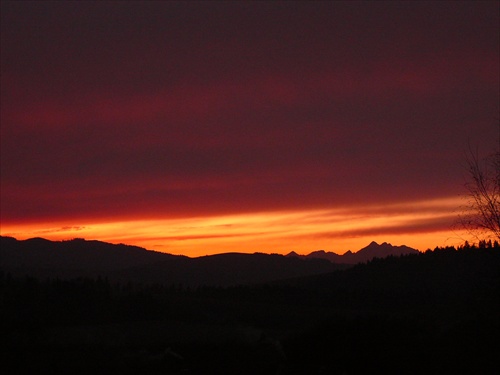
278 232
351 118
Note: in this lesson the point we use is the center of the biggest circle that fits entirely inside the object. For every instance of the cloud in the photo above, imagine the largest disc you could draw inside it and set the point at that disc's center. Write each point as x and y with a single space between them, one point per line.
50 231
441 224
277 231
109 112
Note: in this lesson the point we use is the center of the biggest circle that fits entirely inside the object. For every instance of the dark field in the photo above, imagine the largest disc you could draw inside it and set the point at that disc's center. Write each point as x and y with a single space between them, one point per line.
436 313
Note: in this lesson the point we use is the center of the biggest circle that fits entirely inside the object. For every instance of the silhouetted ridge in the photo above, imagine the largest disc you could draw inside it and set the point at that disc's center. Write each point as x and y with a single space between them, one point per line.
79 257
74 254
373 250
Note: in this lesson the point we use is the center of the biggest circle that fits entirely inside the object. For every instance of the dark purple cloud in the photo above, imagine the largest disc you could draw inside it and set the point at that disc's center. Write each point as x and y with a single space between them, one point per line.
168 109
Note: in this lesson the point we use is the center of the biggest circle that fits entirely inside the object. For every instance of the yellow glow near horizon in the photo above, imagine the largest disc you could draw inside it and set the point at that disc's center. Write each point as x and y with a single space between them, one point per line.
338 230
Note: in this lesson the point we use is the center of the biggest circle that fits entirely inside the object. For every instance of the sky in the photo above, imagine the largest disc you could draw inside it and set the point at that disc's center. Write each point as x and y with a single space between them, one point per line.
199 128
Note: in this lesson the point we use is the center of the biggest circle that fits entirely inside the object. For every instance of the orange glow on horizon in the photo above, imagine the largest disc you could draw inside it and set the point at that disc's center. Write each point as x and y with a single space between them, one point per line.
421 225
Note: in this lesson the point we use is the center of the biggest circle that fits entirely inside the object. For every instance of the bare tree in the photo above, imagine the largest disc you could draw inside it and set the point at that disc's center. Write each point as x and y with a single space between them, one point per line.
481 216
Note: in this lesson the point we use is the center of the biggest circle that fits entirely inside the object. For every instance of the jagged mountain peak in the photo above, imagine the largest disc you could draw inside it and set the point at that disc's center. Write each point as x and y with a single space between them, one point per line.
367 253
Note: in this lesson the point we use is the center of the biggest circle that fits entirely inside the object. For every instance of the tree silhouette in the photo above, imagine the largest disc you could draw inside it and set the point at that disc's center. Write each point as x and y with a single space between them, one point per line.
481 216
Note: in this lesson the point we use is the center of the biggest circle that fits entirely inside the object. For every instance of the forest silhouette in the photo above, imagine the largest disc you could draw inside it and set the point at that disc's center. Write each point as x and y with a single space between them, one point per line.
435 312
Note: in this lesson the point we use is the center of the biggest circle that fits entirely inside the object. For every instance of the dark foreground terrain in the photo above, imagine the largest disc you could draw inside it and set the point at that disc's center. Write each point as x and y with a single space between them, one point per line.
429 313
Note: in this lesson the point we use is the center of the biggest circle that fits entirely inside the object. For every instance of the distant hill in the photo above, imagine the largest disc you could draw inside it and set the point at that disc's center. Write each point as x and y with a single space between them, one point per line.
373 250
81 258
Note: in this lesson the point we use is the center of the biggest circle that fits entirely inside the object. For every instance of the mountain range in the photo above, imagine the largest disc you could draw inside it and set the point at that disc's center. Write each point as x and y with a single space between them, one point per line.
373 250
88 258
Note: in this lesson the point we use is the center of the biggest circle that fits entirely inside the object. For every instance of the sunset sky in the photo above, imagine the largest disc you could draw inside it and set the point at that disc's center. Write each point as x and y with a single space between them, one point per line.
206 127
